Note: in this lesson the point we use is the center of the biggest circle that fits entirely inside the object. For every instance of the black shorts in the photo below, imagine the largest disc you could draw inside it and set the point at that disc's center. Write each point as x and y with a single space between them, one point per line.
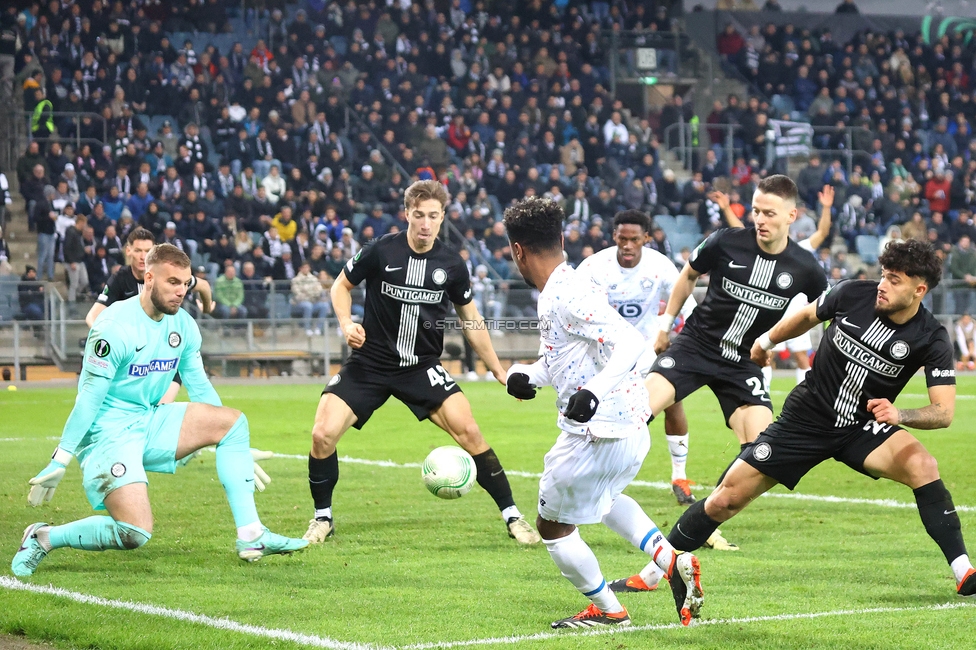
177 378
688 366
792 446
422 388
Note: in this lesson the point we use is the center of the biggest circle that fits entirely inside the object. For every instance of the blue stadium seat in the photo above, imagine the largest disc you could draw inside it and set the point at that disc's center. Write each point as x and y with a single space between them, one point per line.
867 248
666 222
9 305
688 224
683 240
279 306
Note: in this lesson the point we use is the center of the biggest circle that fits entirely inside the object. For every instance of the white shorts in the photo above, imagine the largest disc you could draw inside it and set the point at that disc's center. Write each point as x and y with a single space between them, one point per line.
583 475
801 343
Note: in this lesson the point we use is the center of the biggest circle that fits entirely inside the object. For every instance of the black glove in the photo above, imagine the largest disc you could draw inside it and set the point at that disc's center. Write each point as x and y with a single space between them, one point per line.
519 387
582 406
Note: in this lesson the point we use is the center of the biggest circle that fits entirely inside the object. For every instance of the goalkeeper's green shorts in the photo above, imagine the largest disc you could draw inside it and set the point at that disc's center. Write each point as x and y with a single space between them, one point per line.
120 455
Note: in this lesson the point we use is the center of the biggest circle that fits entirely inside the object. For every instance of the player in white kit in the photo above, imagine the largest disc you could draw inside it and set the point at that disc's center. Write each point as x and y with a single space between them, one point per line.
589 357
800 346
638 281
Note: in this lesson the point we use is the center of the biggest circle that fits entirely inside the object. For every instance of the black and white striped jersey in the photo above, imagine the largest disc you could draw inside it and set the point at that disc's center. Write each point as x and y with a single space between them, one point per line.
408 298
863 356
748 289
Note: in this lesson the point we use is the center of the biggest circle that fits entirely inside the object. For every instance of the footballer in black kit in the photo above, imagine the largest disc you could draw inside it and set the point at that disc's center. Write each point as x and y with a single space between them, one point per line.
412 279
748 292
879 336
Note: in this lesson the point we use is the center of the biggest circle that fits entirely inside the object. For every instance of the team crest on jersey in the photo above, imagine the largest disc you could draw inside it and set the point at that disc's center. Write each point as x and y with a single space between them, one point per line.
335 380
646 284
175 339
762 451
101 348
439 276
666 362
900 350
118 470
784 280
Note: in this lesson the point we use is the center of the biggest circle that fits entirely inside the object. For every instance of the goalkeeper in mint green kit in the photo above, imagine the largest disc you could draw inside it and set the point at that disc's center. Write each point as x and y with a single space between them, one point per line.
118 432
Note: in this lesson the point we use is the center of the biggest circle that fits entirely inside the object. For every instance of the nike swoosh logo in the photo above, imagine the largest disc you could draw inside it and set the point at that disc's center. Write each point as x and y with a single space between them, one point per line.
733 265
449 386
257 548
129 293
392 268
140 349
494 474
948 512
849 323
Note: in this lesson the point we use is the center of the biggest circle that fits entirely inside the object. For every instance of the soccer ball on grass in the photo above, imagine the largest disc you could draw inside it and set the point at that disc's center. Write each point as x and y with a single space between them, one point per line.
449 472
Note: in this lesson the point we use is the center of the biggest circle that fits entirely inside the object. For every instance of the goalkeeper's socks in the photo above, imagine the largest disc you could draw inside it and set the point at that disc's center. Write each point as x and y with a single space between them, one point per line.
235 468
323 474
97 534
492 478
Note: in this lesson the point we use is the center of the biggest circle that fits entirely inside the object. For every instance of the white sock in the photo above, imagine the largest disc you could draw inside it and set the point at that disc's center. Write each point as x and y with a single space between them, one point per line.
509 512
578 565
250 532
678 446
323 512
628 519
767 372
960 566
801 374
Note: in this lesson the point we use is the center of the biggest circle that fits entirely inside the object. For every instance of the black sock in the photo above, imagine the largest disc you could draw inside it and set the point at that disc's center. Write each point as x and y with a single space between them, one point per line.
693 528
323 474
491 477
742 448
940 519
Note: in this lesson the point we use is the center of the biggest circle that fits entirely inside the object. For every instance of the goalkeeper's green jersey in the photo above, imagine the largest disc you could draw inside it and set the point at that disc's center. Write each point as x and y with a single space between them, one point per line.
135 358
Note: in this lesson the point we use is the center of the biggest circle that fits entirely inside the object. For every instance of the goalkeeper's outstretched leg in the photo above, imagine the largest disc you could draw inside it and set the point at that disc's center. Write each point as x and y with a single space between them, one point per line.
115 480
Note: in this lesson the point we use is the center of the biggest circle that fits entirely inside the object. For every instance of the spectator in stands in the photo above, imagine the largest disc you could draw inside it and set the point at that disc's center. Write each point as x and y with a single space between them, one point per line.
255 291
5 267
30 295
274 184
228 295
308 299
965 330
75 258
962 268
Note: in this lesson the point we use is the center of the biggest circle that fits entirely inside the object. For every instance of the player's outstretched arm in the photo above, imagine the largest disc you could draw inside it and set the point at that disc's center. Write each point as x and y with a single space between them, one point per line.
91 394
341 293
784 330
726 205
936 415
683 287
194 375
206 295
93 313
826 197
477 335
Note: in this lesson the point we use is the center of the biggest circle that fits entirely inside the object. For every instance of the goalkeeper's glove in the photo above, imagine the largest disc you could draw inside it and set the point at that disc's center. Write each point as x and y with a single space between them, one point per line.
261 478
46 481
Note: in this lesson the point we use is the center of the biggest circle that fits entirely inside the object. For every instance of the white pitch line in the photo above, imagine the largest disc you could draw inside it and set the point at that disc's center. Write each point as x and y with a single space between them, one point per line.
22 439
659 485
188 617
315 641
566 636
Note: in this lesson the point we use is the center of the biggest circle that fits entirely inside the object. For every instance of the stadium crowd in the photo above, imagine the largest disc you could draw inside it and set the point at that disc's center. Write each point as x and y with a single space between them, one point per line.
298 149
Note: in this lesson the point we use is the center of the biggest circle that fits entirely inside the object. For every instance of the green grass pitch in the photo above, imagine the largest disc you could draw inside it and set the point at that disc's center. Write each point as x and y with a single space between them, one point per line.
406 568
